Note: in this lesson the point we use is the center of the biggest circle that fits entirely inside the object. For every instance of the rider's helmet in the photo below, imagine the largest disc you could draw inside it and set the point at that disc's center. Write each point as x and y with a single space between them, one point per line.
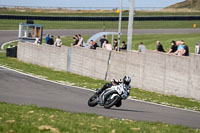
126 80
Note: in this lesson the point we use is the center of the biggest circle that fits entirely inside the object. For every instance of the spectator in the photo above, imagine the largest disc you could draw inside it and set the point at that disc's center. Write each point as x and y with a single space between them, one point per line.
173 47
47 38
180 48
159 47
124 46
93 45
199 48
50 41
58 42
81 41
141 47
103 38
76 40
186 49
115 45
107 46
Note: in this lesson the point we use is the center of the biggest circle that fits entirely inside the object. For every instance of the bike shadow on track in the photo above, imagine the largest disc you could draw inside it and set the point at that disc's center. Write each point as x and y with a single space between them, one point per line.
123 110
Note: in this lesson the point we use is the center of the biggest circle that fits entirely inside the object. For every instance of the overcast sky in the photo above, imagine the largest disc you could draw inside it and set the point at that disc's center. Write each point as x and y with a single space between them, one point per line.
88 3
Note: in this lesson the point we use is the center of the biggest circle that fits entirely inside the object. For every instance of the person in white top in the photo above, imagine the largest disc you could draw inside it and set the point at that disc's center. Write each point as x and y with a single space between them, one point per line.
107 46
58 42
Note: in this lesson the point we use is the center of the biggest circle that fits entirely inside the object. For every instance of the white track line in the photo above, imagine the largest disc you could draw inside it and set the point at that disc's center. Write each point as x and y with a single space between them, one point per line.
2 46
30 75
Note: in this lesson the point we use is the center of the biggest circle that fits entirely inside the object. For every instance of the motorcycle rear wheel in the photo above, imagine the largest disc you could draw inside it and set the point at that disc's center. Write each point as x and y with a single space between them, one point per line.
111 103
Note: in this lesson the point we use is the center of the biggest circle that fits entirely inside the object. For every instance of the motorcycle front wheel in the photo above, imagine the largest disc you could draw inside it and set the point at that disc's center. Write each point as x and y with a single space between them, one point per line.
93 101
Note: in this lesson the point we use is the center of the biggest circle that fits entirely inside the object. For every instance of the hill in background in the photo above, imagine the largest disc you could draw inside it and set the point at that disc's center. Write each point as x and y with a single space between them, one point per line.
189 4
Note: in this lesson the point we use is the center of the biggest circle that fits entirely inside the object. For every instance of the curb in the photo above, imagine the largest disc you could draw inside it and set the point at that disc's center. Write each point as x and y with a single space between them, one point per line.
2 46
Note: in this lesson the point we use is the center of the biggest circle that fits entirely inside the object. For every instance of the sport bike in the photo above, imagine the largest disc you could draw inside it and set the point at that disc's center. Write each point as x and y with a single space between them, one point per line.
109 97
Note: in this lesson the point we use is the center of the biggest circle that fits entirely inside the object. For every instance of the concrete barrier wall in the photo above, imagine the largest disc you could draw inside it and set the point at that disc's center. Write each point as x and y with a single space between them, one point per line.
153 71
89 62
43 55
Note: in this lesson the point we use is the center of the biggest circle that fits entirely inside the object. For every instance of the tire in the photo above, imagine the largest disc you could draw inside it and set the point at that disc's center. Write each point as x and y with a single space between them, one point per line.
111 103
93 101
119 103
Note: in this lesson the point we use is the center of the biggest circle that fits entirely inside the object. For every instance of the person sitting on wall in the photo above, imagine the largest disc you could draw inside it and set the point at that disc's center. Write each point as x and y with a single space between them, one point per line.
141 47
76 40
180 48
173 47
58 42
47 38
186 49
159 47
51 41
93 44
124 46
199 47
107 46
81 41
115 45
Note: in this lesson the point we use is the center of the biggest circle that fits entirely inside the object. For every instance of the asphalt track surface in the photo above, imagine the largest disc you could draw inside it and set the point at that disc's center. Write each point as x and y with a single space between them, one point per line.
10 35
22 89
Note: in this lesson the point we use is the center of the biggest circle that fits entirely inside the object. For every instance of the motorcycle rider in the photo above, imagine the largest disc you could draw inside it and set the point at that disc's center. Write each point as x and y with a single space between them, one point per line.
126 81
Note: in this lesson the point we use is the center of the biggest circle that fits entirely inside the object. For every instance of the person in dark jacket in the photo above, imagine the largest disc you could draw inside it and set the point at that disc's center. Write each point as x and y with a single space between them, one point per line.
51 41
186 49
173 47
159 47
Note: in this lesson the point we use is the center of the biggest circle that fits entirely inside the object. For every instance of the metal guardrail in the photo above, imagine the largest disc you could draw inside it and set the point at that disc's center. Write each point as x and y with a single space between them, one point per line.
79 18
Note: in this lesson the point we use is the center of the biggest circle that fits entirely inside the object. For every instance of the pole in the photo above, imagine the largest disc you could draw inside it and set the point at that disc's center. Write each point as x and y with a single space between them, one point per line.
120 23
130 25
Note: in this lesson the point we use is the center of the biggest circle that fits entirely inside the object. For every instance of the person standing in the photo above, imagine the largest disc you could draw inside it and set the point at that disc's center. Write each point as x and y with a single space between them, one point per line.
141 47
159 47
58 42
102 40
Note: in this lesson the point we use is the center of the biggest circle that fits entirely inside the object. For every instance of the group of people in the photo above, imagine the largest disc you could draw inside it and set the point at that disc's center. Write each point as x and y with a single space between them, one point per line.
177 48
78 40
50 40
106 45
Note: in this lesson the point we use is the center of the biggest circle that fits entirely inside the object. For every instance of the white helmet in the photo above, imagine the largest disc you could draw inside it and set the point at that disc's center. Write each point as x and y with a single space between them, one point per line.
126 80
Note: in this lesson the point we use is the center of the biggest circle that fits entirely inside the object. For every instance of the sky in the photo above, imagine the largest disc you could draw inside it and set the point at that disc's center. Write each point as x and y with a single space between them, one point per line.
89 3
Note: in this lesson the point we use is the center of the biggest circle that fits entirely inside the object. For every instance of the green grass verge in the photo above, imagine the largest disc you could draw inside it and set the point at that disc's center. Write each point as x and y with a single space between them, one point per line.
6 24
91 83
31 119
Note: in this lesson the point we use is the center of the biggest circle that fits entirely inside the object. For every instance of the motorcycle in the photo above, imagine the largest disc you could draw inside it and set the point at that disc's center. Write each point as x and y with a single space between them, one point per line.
109 97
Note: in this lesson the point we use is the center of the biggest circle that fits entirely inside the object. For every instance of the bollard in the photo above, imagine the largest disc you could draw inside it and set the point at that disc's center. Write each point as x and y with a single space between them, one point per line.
194 25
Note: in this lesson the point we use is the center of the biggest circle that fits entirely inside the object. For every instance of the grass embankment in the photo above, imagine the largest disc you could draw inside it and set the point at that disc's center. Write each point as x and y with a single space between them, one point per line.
67 12
31 119
82 81
6 24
